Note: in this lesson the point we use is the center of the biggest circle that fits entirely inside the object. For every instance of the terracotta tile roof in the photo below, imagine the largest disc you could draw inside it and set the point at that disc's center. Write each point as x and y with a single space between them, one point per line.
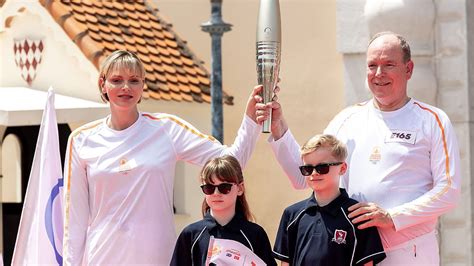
101 27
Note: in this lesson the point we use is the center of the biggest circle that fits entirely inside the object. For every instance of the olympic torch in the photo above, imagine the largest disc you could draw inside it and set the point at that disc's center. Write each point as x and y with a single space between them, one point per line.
268 51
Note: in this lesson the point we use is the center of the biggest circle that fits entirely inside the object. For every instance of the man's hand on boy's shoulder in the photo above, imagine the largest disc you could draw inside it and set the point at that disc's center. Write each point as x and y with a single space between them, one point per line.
367 214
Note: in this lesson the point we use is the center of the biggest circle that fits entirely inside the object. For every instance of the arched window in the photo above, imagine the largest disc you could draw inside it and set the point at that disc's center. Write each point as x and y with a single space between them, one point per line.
11 169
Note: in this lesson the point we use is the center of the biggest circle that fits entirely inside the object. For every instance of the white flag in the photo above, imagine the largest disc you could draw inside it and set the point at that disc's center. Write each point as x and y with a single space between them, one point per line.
39 239
225 252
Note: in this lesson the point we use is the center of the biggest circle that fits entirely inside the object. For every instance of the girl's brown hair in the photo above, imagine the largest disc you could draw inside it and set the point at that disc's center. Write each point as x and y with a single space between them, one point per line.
226 169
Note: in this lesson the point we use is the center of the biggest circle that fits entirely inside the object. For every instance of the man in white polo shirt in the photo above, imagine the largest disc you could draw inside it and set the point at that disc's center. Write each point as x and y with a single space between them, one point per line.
404 165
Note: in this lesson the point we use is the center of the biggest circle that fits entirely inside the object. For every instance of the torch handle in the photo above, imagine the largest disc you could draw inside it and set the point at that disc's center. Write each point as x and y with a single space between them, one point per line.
268 65
267 95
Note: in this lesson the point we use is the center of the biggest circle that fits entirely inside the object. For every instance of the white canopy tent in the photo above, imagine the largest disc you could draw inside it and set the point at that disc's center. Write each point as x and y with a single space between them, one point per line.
21 106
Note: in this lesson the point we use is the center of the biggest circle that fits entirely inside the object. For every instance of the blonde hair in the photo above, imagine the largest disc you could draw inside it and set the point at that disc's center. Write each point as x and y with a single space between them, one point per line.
226 169
337 148
119 59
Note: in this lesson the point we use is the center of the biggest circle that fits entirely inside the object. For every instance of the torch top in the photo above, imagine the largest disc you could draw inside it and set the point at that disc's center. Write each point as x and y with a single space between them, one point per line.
269 22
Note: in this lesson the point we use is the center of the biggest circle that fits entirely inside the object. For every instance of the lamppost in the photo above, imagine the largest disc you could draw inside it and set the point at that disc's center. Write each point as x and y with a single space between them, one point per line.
216 27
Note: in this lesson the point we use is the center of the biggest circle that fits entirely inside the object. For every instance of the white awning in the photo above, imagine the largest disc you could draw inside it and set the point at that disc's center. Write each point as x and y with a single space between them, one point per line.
21 106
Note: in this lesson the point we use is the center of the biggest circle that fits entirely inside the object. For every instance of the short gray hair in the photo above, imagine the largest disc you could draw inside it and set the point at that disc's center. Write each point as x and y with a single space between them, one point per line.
403 43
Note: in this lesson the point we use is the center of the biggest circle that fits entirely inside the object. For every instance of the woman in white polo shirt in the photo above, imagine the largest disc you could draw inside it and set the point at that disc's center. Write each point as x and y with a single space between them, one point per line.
119 172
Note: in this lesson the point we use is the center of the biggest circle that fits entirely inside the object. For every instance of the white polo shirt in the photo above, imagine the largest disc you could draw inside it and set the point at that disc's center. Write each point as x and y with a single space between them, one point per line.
119 186
407 161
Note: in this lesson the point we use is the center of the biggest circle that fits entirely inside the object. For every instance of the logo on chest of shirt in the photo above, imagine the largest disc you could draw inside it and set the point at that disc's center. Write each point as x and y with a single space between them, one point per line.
339 236
375 156
126 165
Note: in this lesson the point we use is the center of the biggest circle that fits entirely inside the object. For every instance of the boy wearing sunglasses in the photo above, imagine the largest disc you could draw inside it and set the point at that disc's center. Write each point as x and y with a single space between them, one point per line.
317 231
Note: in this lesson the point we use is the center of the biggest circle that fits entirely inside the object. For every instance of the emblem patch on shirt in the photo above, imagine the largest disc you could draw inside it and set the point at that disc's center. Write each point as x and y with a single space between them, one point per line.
126 165
375 156
339 236
403 136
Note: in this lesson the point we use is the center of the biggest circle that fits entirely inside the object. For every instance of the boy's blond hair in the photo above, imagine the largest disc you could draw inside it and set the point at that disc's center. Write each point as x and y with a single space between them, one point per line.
337 148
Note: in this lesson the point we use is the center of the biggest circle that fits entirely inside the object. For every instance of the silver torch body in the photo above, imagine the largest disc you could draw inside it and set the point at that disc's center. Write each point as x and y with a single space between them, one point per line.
268 51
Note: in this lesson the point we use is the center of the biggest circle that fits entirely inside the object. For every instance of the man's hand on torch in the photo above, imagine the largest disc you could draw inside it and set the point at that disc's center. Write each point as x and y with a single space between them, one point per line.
279 125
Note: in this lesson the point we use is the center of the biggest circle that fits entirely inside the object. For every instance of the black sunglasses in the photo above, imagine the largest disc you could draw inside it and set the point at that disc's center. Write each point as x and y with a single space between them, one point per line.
322 168
223 188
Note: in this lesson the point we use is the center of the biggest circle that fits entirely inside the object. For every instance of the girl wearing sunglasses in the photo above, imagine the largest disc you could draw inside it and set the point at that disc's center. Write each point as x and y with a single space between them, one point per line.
226 215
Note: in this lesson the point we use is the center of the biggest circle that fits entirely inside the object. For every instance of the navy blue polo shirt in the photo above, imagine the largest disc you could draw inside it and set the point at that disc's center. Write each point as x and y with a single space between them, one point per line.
314 235
193 242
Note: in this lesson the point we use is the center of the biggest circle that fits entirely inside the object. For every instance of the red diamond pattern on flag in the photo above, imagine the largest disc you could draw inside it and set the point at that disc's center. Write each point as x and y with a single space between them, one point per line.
28 55
26 46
